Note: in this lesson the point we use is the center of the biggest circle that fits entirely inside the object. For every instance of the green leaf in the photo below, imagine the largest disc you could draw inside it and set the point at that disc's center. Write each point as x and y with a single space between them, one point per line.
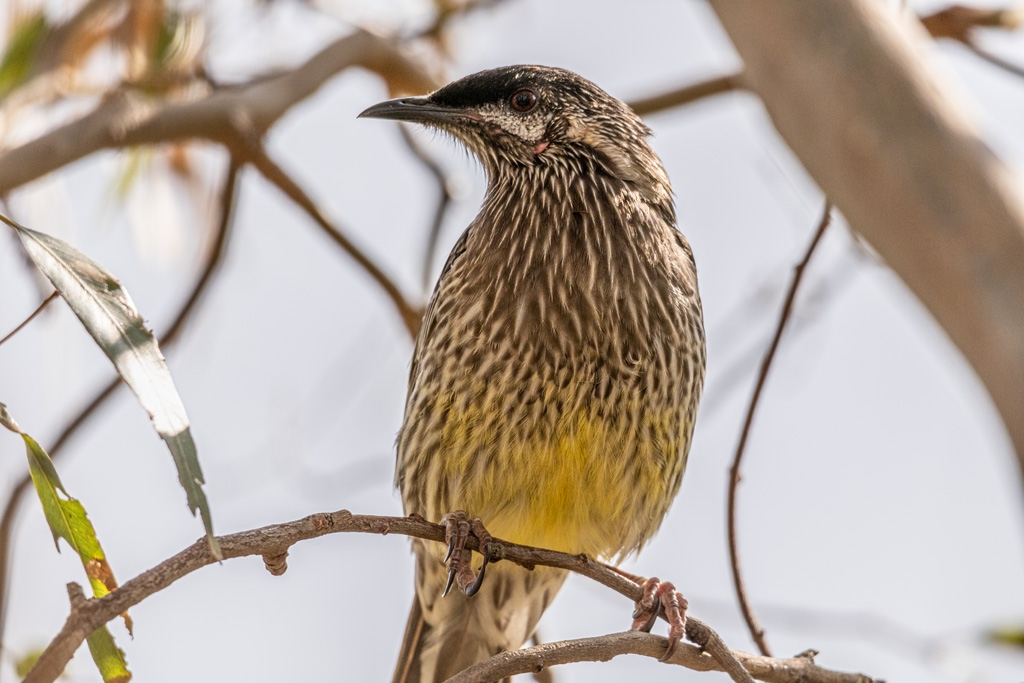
25 662
110 316
7 421
68 519
16 66
108 656
135 160
1007 635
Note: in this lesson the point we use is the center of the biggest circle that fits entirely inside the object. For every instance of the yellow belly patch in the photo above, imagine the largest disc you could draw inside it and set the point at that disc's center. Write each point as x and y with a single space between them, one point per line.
589 488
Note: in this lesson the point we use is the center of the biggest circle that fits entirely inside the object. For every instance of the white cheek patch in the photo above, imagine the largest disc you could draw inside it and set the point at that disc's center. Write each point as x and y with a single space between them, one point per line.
529 128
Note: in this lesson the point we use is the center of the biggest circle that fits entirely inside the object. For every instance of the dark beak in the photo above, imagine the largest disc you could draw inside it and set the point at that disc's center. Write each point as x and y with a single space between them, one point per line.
414 110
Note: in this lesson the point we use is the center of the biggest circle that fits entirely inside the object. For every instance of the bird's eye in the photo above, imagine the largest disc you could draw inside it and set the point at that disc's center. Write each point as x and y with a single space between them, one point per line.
523 101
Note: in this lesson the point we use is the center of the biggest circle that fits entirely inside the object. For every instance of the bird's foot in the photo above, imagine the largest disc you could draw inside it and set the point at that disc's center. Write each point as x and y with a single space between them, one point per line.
659 594
458 527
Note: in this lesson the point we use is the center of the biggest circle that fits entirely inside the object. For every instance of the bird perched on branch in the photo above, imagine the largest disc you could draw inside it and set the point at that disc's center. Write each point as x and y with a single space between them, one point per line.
556 377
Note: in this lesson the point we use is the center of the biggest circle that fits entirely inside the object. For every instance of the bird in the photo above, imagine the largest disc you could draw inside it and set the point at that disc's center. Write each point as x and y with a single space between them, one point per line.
555 379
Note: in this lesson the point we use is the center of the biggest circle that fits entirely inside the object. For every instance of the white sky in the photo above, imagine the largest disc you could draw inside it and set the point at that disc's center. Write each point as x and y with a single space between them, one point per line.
880 514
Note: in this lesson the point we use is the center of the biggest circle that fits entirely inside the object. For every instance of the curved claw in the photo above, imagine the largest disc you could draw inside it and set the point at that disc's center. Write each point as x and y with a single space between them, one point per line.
651 620
669 651
479 581
657 596
451 580
451 548
458 528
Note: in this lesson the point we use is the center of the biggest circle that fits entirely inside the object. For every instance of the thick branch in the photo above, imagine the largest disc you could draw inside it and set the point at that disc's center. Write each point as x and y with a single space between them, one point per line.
851 88
128 118
272 542
799 669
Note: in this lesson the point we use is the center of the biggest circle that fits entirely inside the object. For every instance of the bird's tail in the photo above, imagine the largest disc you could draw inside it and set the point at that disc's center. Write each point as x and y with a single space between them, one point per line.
444 636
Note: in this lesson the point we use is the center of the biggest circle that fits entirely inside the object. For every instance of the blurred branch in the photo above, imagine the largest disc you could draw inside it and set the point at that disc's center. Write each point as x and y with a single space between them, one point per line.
257 156
444 201
273 542
31 317
235 117
744 364
129 118
959 23
213 261
53 51
852 89
688 94
756 631
448 10
996 60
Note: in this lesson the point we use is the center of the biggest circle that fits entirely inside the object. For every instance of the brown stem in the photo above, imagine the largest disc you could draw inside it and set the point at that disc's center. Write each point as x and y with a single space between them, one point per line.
996 60
257 156
214 259
128 118
687 94
799 669
444 201
30 318
756 631
274 541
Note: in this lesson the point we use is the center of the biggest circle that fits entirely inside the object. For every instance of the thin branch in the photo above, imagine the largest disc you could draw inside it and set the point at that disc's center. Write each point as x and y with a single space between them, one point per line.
214 259
53 51
257 156
30 318
544 675
234 117
756 631
273 542
687 94
444 201
799 669
447 11
996 60
127 118
958 22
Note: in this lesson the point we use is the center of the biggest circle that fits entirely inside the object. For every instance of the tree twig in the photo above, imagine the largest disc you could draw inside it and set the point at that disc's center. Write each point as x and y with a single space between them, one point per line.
272 543
444 201
126 119
31 317
958 22
213 261
687 94
995 60
261 161
233 117
756 631
799 669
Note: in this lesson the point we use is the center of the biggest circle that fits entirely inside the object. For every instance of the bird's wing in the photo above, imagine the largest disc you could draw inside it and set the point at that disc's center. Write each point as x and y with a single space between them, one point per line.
427 327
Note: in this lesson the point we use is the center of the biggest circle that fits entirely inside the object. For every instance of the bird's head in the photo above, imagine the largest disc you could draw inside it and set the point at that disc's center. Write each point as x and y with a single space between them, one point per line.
517 116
